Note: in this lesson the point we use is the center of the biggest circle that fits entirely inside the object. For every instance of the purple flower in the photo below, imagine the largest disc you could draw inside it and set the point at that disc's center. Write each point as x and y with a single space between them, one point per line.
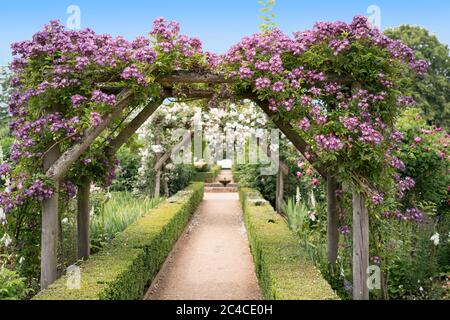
133 72
287 104
345 230
421 66
397 163
315 91
350 123
100 97
69 188
77 100
414 215
278 86
276 64
404 101
376 260
410 215
377 199
370 135
38 191
246 73
81 63
96 119
304 124
339 45
262 65
305 100
4 169
262 83
330 142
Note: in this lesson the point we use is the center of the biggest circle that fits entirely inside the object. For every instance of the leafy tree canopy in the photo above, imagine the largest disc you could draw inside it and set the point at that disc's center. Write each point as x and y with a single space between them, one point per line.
432 92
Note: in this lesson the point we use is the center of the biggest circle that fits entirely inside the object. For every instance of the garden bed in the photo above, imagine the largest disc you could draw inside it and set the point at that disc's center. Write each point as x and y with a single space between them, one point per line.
124 268
284 270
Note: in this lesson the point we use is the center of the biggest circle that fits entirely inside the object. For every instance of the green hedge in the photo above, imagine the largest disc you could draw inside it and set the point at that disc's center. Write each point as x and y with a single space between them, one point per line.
207 177
284 269
123 269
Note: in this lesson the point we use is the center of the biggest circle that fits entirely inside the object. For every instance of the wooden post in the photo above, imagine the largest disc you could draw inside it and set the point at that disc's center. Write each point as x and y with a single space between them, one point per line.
280 191
83 243
166 187
158 184
360 247
50 226
333 220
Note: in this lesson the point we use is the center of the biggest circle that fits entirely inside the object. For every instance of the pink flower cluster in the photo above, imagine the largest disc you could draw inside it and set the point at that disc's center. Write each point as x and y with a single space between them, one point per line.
169 39
410 215
38 191
404 185
370 135
329 142
377 199
100 97
133 72
96 119
77 100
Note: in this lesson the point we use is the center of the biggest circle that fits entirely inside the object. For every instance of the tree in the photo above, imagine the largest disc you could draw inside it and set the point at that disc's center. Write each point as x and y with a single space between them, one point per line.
432 92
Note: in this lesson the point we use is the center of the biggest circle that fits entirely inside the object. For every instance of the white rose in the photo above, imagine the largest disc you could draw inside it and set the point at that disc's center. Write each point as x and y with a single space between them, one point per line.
435 239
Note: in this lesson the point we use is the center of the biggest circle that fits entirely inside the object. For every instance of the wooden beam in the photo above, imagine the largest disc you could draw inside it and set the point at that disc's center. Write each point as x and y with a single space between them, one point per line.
201 77
133 126
190 77
63 164
300 144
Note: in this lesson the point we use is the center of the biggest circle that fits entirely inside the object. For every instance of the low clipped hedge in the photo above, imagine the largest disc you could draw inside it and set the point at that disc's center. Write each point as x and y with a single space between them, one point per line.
209 176
124 268
284 270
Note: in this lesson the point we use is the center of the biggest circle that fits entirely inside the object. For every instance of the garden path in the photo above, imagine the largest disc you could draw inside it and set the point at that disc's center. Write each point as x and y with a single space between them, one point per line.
212 259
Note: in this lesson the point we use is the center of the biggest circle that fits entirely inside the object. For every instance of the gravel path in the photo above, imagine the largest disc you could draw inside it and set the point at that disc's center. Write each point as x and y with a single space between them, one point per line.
212 260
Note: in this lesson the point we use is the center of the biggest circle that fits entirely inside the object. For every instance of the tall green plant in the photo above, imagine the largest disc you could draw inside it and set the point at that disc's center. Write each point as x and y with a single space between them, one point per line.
114 216
267 15
297 214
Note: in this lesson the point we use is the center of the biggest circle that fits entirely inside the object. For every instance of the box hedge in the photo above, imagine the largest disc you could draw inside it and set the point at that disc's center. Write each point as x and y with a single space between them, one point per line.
209 176
284 269
125 267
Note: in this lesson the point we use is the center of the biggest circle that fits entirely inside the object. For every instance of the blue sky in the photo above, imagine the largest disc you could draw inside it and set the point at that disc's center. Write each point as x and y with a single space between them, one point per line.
218 23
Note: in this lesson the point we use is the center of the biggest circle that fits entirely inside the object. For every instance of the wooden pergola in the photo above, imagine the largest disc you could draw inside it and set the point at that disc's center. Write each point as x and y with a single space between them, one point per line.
57 164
